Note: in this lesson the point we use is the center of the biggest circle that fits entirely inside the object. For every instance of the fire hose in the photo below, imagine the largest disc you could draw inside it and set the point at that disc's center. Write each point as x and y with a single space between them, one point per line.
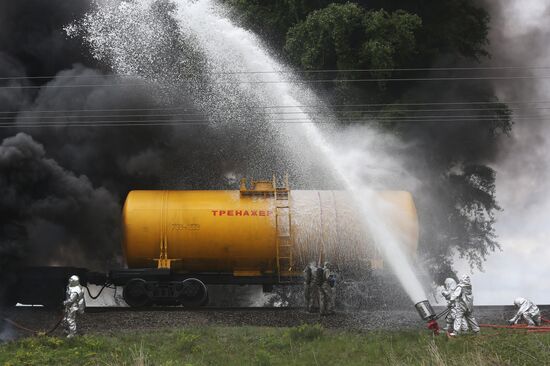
35 332
106 284
428 314
433 325
40 332
524 327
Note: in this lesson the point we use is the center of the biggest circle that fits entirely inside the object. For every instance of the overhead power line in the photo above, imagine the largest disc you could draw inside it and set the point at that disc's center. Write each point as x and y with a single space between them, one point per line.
238 82
337 114
77 113
287 120
325 106
414 104
289 71
266 113
308 106
206 122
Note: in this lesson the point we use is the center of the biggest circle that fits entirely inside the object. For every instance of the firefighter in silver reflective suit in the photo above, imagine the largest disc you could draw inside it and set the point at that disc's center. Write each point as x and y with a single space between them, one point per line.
450 286
526 310
311 294
327 290
463 300
74 303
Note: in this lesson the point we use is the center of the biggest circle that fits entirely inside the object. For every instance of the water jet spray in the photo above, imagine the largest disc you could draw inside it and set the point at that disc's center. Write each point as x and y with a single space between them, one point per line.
229 48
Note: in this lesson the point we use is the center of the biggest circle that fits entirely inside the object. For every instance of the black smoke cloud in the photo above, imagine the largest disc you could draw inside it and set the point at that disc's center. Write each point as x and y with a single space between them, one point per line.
59 214
31 32
447 157
11 99
31 229
65 184
106 162
50 214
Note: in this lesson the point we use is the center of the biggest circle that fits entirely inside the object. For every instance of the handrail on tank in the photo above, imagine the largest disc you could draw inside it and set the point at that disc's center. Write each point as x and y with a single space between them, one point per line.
264 187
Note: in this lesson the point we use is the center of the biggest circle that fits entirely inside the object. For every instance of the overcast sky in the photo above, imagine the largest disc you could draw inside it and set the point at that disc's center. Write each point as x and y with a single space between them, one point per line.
521 36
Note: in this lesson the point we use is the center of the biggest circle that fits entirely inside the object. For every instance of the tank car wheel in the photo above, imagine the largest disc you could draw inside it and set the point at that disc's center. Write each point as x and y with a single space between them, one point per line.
193 294
135 293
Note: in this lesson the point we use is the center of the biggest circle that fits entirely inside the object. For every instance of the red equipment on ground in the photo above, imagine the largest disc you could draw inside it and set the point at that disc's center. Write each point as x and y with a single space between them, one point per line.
428 314
433 325
525 327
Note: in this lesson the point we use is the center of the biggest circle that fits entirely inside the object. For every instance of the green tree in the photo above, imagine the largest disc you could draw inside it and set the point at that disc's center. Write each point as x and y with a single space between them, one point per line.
457 27
456 205
272 19
452 27
459 220
348 37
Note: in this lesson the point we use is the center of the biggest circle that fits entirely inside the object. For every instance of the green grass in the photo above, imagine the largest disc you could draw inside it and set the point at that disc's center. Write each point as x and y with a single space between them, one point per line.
304 345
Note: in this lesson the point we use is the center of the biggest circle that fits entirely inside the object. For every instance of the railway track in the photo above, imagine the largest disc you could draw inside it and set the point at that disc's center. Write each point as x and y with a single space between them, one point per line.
111 320
104 309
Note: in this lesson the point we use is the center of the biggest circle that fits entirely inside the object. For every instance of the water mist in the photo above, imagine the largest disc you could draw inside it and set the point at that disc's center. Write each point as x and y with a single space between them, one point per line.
236 56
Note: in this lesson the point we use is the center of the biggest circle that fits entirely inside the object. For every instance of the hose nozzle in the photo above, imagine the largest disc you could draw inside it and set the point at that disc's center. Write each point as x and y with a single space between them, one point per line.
425 310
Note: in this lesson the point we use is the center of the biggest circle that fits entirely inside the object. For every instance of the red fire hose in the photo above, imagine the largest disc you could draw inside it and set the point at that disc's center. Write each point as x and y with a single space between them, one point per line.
539 329
434 326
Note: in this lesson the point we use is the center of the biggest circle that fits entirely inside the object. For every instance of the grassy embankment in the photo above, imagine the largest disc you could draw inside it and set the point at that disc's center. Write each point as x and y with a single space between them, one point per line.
305 345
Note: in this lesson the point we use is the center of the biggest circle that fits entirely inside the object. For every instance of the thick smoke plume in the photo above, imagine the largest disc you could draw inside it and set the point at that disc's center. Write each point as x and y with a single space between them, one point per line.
157 72
60 215
520 37
65 184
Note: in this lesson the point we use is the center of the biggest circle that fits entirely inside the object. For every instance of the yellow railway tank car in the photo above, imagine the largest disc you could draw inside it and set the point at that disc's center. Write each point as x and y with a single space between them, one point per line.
178 242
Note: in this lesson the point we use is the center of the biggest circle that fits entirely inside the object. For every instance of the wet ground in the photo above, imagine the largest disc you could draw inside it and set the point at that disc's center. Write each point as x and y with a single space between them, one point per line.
114 320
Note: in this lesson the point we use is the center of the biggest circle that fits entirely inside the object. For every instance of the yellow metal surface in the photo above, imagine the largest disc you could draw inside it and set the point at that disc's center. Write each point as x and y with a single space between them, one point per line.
204 230
226 231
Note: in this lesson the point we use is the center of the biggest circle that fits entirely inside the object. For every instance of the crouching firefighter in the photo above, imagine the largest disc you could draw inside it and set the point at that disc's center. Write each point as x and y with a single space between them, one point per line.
527 311
327 290
74 303
311 294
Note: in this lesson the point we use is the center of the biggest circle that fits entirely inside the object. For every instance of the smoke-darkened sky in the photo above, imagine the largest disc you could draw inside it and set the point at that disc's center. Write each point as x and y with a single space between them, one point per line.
40 165
85 172
520 37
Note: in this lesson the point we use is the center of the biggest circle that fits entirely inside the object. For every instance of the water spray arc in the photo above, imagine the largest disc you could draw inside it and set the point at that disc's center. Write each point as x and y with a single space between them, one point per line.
224 46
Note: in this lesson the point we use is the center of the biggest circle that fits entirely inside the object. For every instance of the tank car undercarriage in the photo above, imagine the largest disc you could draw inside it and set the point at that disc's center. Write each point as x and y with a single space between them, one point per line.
141 287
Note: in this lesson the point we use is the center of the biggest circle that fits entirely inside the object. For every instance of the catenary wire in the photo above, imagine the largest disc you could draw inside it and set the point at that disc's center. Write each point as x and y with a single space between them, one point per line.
479 68
281 121
289 114
205 122
316 113
76 113
302 106
237 82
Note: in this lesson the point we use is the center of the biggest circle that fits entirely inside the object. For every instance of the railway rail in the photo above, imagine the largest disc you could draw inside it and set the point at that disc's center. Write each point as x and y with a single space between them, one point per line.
545 309
112 320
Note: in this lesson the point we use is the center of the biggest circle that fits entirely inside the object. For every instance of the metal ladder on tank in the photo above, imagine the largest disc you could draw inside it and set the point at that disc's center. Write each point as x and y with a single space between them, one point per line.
283 231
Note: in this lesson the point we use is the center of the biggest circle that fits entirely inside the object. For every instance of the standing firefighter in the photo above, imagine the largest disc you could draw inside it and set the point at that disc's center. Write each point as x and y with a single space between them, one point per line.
311 294
526 310
463 300
74 304
327 290
450 286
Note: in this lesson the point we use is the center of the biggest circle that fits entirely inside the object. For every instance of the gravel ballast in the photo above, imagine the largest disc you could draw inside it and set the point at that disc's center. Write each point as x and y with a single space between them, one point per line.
114 320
